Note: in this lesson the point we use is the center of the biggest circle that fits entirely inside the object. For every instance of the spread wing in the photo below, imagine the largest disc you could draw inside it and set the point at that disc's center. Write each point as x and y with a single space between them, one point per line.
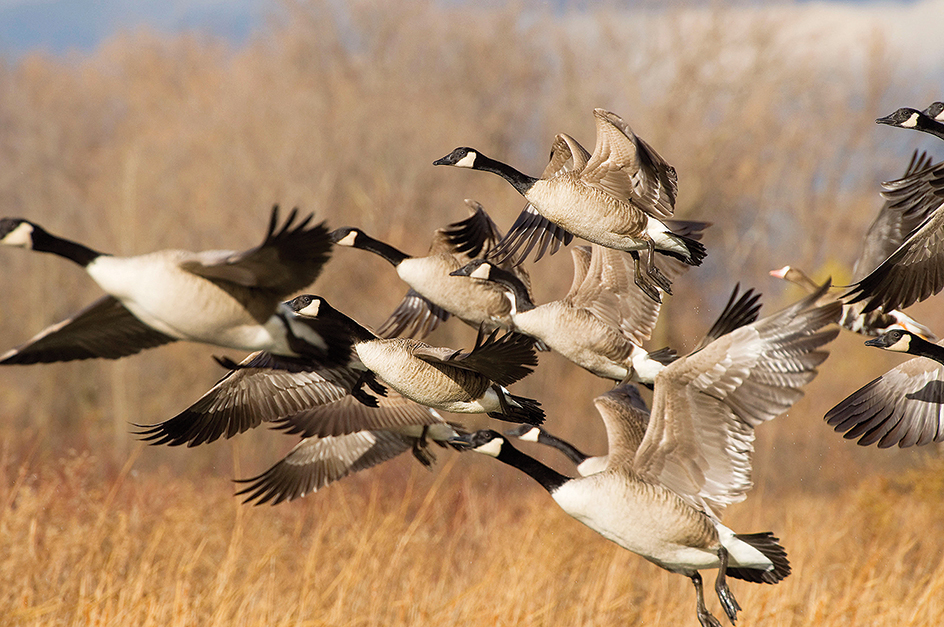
700 438
903 407
262 388
531 229
414 316
897 218
317 462
915 270
104 329
626 417
625 166
503 360
288 259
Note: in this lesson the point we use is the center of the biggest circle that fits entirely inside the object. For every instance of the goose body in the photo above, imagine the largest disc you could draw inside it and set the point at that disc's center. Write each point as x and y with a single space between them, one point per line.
224 298
435 295
617 197
671 472
904 406
599 325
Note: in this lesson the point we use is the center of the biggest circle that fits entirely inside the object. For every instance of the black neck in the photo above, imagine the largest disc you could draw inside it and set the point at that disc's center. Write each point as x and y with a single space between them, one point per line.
572 452
46 243
515 285
377 247
930 125
546 476
923 348
520 181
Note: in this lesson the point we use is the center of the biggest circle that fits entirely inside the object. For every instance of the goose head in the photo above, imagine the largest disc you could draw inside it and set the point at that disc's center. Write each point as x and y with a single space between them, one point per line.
308 305
485 441
463 157
347 236
897 340
935 111
904 118
17 232
476 269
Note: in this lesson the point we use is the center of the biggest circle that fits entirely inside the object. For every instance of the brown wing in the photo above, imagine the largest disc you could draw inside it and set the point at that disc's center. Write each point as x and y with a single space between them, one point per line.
105 329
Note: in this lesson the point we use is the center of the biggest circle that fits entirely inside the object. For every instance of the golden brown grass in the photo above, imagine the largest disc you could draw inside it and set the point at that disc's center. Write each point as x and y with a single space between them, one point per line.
470 543
152 143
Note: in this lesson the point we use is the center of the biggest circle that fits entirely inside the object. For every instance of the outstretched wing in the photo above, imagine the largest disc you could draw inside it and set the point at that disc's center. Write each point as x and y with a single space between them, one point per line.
105 329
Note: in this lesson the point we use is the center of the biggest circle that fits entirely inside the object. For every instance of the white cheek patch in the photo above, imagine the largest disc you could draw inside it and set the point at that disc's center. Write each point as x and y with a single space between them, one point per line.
532 435
467 161
911 122
312 309
347 240
482 272
492 447
902 345
22 236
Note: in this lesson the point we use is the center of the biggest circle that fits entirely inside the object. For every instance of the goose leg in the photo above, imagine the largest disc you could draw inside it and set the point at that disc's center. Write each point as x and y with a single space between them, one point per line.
643 282
421 449
704 616
358 392
728 602
653 271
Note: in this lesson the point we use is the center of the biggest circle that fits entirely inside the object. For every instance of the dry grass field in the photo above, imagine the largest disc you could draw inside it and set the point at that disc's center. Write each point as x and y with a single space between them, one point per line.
185 142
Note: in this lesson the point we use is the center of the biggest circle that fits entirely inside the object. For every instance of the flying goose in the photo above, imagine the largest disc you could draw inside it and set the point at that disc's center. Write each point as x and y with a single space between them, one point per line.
312 398
662 493
225 298
434 294
318 461
930 121
623 399
618 197
904 406
915 269
601 323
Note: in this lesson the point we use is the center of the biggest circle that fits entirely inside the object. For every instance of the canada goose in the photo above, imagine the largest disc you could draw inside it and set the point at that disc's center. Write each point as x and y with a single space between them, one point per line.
662 494
600 325
617 198
930 121
915 270
318 461
305 394
904 405
223 298
593 326
434 294
621 399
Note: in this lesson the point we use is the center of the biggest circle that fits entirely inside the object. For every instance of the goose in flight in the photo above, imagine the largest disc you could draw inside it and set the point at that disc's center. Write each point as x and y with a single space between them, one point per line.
220 297
618 197
434 295
671 472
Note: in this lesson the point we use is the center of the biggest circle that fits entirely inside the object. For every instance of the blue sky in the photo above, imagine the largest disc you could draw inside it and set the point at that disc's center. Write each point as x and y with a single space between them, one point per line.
913 27
57 26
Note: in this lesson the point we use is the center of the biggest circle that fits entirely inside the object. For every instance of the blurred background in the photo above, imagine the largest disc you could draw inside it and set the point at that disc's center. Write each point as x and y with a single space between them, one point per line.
133 127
